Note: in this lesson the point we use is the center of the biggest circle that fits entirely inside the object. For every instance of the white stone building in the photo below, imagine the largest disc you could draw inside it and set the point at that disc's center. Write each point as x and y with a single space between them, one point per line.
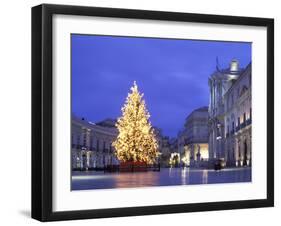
230 115
193 139
92 144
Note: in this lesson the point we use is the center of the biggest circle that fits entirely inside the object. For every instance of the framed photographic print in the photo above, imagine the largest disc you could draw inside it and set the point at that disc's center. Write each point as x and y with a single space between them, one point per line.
145 112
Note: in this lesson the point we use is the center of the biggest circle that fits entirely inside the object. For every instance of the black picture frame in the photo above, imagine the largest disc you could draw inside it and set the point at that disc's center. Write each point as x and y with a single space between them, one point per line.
42 111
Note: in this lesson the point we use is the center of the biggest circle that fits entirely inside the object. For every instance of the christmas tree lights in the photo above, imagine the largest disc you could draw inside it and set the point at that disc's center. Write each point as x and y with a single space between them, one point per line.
136 140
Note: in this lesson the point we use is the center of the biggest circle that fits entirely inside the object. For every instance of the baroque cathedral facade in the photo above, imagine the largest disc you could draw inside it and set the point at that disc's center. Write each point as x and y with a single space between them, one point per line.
230 115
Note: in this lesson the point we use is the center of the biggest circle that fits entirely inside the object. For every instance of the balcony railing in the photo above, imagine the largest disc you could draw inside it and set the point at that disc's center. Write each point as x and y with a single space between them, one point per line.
243 125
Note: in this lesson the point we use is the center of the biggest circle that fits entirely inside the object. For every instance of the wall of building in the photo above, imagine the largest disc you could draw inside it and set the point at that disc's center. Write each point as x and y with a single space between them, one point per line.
230 115
193 139
238 121
92 145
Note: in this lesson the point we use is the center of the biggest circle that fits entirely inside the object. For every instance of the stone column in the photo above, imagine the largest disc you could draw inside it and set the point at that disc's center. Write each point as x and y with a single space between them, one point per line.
211 155
88 156
236 150
226 151
248 150
242 151
214 142
232 147
81 159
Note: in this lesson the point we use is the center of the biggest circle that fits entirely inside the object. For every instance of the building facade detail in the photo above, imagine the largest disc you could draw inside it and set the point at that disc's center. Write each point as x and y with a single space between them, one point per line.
230 115
193 139
92 144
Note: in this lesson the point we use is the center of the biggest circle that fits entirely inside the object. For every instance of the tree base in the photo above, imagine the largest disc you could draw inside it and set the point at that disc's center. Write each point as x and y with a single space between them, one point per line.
131 166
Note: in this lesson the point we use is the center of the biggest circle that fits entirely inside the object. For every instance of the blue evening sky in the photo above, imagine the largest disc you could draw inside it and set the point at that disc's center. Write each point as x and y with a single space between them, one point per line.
172 74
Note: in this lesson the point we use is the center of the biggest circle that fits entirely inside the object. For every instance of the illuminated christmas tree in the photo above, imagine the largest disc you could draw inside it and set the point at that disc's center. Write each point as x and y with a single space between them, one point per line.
136 141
